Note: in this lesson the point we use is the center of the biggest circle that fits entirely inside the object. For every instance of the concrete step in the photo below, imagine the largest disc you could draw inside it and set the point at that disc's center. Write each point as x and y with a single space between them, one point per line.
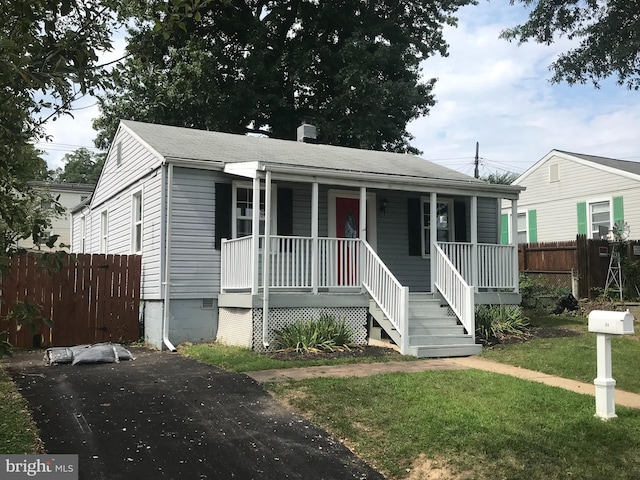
432 351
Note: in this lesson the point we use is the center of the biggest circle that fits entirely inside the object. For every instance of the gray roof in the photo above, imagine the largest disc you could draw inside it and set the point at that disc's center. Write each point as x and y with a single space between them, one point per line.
190 144
624 165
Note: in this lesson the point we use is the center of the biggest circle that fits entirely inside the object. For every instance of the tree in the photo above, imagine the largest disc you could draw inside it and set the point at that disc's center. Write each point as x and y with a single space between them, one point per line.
504 178
352 68
607 34
80 166
48 58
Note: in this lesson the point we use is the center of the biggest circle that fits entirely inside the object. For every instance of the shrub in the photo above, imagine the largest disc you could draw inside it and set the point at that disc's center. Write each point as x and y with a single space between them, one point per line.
323 334
534 286
501 321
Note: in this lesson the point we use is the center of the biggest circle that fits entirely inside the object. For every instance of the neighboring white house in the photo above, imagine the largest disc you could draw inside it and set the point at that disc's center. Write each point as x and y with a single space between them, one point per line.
349 234
69 195
571 193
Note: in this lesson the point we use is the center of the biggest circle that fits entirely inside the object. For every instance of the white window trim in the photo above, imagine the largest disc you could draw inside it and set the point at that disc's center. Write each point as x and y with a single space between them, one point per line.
234 205
526 221
590 216
83 233
139 194
372 212
104 231
452 232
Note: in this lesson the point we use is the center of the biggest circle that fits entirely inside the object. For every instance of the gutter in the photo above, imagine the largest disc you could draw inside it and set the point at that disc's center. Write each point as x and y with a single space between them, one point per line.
167 264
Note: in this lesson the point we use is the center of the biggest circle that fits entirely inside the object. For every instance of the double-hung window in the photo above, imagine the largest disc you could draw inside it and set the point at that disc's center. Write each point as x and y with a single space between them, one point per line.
243 210
444 222
83 233
522 228
599 219
136 223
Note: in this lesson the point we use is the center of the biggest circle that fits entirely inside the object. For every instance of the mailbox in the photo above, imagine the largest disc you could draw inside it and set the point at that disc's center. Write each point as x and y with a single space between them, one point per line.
613 323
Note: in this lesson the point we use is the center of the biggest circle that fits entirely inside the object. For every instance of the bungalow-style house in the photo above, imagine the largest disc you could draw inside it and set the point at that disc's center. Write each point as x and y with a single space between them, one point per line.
385 241
572 193
68 196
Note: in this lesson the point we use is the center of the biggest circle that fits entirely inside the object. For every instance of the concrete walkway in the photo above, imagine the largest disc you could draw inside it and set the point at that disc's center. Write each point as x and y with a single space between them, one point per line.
622 398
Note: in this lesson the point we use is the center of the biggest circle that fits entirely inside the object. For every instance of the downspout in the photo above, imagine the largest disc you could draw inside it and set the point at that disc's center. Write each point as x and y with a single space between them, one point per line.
266 259
167 262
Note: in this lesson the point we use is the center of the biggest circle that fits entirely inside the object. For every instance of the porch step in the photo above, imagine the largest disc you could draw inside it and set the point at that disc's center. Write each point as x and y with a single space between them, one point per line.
433 330
438 351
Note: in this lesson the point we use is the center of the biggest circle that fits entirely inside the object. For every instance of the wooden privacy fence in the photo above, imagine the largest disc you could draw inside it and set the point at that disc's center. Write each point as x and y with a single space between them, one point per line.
584 259
92 299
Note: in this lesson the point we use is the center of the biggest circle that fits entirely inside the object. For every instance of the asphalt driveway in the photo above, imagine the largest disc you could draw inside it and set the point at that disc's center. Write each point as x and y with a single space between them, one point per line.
164 416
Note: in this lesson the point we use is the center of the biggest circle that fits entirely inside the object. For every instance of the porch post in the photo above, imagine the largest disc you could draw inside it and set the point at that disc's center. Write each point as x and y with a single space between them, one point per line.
255 236
433 237
314 237
514 243
266 257
362 235
474 243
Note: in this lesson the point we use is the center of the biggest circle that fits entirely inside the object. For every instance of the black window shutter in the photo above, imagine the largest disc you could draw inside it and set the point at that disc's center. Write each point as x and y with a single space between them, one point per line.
414 227
460 220
223 213
285 211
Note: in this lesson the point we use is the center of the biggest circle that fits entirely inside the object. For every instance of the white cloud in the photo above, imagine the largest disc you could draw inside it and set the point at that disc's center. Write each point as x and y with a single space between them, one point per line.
499 94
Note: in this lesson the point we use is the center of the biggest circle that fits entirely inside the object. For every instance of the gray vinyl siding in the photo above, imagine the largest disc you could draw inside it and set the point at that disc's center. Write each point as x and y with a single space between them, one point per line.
555 202
488 221
195 263
119 210
136 162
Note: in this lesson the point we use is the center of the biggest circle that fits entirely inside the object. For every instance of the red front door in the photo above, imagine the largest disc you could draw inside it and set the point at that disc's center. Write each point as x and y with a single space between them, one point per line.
347 226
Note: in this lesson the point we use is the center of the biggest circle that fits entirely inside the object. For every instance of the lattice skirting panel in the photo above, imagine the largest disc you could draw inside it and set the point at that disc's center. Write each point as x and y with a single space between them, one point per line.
355 317
235 326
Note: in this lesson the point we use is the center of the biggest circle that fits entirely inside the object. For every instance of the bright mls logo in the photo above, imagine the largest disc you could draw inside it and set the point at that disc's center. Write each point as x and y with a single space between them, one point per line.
51 467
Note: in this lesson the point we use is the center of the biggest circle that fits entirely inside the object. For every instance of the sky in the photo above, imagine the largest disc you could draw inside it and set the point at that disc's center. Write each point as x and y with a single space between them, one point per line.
488 91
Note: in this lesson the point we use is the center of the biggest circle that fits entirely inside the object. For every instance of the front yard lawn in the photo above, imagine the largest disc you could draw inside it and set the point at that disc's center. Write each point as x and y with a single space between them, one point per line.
571 356
471 424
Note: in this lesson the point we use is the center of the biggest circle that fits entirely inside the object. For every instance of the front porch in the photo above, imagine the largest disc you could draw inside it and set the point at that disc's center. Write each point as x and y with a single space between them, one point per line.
345 277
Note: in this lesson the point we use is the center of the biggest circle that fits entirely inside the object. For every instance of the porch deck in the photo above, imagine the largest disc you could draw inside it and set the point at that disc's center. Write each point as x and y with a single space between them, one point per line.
321 273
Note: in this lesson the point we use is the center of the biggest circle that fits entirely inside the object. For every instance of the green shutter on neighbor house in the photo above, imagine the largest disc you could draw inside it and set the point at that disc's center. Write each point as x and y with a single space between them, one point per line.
504 229
533 226
582 218
618 210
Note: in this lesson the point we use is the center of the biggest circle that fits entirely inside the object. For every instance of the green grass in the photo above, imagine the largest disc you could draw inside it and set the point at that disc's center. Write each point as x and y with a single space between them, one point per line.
572 357
238 359
18 433
481 425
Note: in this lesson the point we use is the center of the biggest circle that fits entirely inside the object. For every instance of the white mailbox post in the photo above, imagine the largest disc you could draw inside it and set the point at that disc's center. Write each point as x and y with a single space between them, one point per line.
605 324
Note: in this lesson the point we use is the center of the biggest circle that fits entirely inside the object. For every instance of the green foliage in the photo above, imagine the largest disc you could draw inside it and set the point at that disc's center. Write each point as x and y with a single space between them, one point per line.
324 333
498 322
351 68
18 433
534 286
504 178
81 166
604 33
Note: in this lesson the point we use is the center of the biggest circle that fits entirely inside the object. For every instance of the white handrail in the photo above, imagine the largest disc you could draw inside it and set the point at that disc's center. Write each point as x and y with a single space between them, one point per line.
388 293
454 289
494 267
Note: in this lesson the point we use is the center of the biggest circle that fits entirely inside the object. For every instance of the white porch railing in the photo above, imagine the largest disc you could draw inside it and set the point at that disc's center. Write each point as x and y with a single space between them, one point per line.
390 295
453 288
494 266
235 263
338 262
